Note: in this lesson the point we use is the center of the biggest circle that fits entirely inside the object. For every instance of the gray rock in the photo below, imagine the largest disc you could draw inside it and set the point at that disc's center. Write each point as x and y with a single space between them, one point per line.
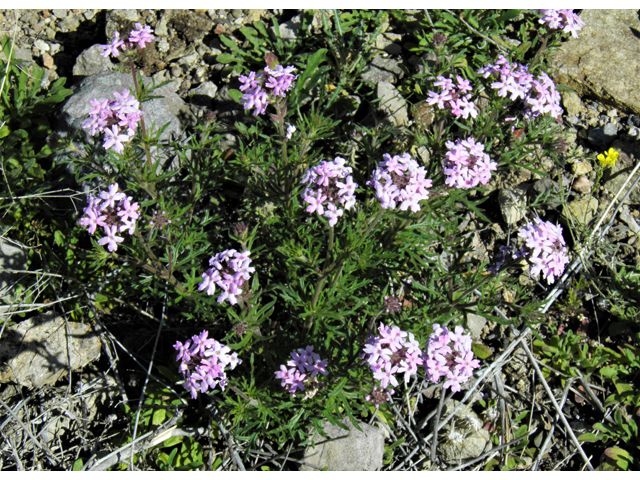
12 257
70 23
605 60
359 451
463 439
289 30
611 129
615 177
599 137
374 76
90 62
581 211
634 132
169 109
512 204
386 42
41 45
40 350
572 103
475 324
207 90
393 104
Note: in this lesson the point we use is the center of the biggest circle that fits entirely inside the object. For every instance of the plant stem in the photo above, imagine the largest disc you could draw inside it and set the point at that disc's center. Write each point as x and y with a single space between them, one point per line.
142 127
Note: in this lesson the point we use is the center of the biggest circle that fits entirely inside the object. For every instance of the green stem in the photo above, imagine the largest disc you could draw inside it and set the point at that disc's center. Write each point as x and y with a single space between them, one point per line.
321 280
142 127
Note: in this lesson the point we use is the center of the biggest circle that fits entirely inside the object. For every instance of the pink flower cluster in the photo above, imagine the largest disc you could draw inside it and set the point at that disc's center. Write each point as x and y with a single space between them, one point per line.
260 89
466 164
454 97
329 187
109 117
140 37
394 351
229 270
548 249
114 212
203 361
539 95
564 19
400 179
304 366
449 355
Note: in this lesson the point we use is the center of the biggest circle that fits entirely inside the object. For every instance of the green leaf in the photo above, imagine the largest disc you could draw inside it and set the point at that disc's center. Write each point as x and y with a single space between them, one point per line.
590 437
59 238
4 131
481 351
609 373
171 441
235 94
225 58
77 465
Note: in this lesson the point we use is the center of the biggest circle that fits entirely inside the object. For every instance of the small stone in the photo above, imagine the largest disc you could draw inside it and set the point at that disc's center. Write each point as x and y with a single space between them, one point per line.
611 129
47 61
512 204
41 45
581 168
571 102
582 210
582 184
475 324
204 93
90 62
59 12
634 132
70 23
55 48
458 443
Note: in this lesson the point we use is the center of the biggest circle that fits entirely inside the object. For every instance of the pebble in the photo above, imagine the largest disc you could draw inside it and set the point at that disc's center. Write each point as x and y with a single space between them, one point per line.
47 61
581 168
634 132
582 184
41 45
611 129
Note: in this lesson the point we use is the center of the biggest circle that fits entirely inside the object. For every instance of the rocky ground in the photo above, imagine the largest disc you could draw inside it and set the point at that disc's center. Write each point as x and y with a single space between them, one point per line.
601 71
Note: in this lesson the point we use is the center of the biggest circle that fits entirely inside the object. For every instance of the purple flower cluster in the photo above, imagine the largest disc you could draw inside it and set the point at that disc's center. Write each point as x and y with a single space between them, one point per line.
564 19
466 164
329 187
203 361
449 355
454 97
114 212
400 179
394 351
503 254
260 89
539 94
229 270
140 37
378 396
109 117
304 366
548 249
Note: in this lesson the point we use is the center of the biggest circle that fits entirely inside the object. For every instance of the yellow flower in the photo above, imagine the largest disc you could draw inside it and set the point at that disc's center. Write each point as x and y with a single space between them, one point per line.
608 159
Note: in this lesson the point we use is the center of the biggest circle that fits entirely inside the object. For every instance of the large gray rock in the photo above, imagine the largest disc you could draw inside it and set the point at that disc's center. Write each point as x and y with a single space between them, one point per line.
171 108
40 350
359 451
605 60
90 62
393 104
